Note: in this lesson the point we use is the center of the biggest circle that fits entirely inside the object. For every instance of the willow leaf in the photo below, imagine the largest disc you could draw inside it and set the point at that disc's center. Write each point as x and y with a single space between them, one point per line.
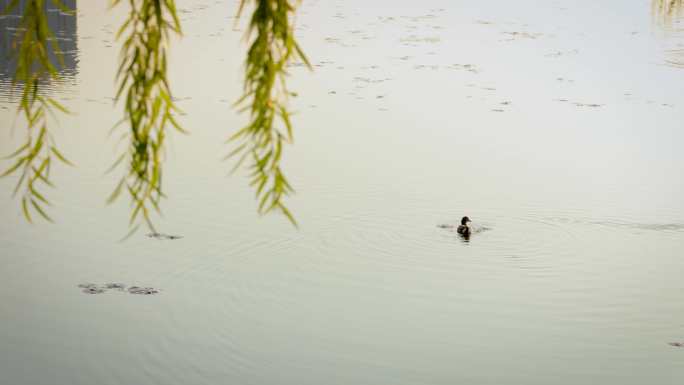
60 156
25 210
117 191
16 165
38 195
17 151
58 106
40 211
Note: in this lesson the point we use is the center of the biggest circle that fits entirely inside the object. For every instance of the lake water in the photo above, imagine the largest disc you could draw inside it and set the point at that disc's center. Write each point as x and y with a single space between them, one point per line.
555 125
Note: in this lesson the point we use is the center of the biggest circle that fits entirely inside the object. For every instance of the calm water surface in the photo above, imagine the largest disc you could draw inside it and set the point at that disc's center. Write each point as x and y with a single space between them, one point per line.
554 125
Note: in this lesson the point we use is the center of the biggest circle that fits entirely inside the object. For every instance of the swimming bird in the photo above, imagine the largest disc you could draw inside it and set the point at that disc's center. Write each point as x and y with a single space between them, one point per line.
464 229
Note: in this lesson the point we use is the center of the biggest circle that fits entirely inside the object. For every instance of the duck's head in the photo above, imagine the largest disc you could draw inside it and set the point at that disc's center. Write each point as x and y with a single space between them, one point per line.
465 220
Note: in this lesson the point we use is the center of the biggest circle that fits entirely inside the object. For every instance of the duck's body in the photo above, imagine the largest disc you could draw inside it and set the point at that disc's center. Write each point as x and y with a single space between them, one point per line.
464 229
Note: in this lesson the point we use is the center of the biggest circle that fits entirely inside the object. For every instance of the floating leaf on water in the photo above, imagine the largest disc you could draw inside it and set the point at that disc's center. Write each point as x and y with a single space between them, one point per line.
93 290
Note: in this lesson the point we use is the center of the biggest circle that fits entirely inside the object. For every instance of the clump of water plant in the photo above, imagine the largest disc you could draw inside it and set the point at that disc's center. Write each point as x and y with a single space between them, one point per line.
272 47
33 160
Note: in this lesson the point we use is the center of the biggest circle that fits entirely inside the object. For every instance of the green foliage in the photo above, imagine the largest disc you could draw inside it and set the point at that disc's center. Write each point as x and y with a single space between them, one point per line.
265 97
149 108
34 158
148 105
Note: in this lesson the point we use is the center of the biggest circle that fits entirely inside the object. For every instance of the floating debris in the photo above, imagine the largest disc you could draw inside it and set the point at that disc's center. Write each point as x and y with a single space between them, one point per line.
464 67
497 110
425 66
91 288
419 18
118 286
164 237
676 344
521 35
414 39
142 290
360 79
337 41
562 53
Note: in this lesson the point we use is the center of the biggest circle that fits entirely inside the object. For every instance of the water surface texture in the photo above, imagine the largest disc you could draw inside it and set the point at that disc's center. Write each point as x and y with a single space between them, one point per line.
555 125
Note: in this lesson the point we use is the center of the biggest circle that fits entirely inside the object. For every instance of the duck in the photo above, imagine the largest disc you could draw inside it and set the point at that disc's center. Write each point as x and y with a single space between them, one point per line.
464 229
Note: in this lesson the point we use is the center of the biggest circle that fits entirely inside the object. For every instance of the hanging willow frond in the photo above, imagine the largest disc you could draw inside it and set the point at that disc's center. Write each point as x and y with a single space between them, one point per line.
265 96
34 158
149 107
